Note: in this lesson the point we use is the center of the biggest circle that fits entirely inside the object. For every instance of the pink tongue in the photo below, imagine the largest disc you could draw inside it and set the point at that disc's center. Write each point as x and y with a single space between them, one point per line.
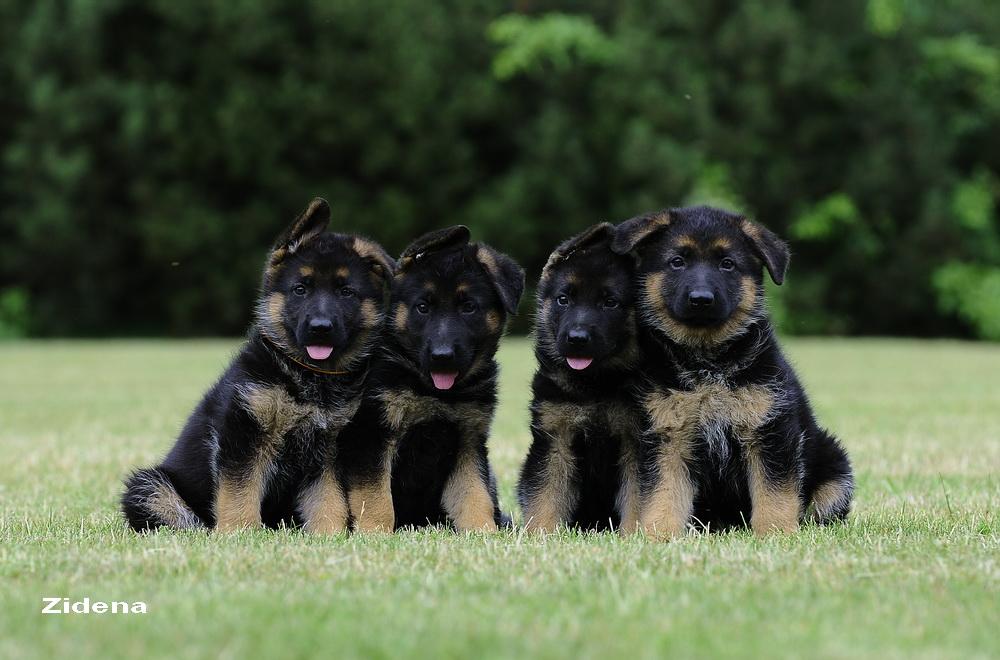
579 363
443 381
319 352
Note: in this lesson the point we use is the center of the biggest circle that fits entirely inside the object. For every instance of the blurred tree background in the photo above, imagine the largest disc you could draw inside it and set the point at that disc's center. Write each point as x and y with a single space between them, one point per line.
149 151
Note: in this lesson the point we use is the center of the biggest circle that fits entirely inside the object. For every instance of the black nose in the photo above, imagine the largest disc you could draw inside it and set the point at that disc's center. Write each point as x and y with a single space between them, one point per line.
320 326
578 337
701 298
442 354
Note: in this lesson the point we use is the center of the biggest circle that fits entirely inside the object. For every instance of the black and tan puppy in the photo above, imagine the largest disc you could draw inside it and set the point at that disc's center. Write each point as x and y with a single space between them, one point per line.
262 442
581 468
732 437
434 384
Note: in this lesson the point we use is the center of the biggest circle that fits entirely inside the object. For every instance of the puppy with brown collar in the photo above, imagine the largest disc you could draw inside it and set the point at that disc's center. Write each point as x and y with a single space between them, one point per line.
262 445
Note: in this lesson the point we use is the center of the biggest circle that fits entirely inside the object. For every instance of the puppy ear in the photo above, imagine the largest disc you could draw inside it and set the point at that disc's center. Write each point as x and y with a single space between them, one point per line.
434 241
381 264
507 277
311 223
772 250
632 232
590 236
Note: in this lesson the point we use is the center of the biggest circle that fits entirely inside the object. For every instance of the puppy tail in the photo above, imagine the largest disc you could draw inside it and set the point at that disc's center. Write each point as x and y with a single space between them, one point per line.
834 478
151 500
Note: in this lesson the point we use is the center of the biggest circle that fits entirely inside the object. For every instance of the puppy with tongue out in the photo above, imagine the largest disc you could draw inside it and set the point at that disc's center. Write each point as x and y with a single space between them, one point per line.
580 470
432 390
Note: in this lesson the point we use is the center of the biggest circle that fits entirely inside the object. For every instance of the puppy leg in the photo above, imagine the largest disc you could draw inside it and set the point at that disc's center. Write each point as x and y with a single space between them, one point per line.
549 488
237 502
466 497
667 500
667 491
242 484
627 501
774 490
371 505
323 505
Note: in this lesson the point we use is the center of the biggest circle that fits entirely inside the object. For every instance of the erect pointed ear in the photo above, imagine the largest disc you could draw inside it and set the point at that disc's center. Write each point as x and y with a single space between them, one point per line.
311 223
595 234
507 277
632 232
772 250
435 241
381 264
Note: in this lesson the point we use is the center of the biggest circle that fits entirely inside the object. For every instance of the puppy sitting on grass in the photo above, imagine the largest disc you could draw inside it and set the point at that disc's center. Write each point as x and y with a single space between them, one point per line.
581 468
263 440
427 413
732 437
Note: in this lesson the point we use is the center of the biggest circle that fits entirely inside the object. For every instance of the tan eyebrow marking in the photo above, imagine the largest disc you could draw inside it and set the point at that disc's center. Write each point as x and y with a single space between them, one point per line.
686 241
721 244
343 272
306 271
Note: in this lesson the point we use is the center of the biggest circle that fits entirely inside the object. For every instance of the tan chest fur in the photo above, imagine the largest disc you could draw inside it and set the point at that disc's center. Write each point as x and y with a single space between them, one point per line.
710 411
564 420
404 409
279 414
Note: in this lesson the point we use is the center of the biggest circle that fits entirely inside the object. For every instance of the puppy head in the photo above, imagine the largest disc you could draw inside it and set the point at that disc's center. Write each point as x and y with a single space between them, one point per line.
323 293
700 271
450 301
585 319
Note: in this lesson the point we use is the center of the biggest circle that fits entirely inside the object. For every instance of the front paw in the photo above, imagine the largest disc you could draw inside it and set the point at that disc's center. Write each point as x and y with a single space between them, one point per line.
662 529
325 525
771 526
488 525
231 525
369 523
371 508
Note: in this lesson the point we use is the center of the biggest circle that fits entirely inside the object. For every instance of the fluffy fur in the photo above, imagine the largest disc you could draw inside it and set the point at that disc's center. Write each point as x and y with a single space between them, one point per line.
730 436
581 468
261 446
425 420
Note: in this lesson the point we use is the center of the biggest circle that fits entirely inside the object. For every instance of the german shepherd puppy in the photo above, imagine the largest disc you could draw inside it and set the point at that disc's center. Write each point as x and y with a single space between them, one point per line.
433 386
262 442
581 468
732 435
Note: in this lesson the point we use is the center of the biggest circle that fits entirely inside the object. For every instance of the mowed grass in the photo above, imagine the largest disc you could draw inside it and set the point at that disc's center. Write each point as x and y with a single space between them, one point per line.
913 574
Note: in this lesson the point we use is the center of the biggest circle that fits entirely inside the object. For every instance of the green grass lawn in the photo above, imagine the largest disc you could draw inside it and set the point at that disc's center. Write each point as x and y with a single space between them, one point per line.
913 574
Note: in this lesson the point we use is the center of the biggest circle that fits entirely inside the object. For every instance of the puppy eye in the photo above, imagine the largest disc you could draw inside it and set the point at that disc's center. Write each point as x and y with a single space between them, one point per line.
299 289
610 303
562 300
348 292
677 263
727 264
469 307
422 308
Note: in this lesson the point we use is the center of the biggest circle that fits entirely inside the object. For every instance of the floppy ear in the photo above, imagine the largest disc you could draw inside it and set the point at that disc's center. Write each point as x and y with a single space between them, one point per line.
635 230
772 250
311 223
434 241
594 234
381 264
507 277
